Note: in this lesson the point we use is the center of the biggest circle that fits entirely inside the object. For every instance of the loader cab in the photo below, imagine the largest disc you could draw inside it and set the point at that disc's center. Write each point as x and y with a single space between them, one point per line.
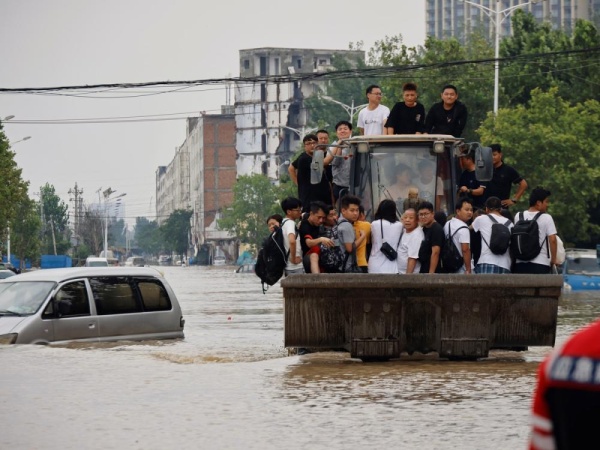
411 168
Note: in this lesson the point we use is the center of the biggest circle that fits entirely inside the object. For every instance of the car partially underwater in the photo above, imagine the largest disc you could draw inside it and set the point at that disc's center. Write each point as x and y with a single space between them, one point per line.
88 304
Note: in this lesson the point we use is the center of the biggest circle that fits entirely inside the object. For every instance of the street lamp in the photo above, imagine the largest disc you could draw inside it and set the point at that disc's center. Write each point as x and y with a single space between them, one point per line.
302 132
8 118
350 109
497 16
20 140
107 193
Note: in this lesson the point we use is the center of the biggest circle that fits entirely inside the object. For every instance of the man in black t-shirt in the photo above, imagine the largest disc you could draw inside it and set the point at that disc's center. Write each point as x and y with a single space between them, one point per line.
503 179
309 232
300 173
429 253
448 116
407 117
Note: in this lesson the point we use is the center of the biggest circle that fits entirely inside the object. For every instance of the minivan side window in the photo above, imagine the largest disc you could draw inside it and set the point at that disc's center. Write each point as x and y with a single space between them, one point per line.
154 295
114 295
74 299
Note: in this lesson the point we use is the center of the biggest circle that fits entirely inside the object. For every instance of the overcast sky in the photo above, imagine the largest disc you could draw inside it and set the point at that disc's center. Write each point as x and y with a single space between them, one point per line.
78 42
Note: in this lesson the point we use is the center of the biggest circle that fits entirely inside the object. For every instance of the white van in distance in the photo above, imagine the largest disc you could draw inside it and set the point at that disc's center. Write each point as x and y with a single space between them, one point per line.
92 304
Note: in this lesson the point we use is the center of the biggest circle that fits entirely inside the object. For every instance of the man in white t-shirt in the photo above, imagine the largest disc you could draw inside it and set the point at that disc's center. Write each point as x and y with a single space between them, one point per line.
292 207
542 263
372 119
490 262
410 243
457 227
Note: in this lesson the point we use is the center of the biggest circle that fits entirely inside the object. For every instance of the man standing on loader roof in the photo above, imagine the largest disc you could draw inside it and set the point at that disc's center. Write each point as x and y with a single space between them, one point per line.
448 116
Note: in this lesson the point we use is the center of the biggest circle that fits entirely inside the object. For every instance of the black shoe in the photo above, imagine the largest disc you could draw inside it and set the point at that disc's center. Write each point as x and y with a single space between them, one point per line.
302 351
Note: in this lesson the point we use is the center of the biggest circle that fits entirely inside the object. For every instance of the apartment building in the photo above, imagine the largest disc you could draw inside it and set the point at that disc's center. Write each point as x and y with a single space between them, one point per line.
269 107
454 18
200 178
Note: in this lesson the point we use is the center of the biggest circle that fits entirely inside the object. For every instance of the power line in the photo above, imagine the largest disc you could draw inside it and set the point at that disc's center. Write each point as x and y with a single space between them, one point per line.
381 71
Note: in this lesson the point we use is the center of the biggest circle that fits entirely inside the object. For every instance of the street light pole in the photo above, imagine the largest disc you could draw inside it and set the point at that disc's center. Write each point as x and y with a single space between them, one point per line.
350 109
300 133
107 193
20 140
497 16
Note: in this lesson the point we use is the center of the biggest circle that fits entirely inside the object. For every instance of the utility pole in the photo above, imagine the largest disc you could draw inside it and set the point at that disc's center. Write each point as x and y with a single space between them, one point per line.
78 201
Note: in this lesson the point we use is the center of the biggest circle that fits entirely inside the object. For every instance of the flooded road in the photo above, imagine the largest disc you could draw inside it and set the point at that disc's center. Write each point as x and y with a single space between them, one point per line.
230 384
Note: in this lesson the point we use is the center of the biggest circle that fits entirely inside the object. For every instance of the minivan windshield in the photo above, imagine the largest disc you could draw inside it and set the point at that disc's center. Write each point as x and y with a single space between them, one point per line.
24 297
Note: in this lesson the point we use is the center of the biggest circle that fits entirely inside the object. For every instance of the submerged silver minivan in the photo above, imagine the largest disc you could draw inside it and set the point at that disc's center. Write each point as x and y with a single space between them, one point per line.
88 304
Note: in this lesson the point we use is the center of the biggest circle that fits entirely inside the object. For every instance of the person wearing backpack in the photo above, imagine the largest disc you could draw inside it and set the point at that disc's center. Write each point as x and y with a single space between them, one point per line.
495 239
385 228
348 240
457 243
535 256
292 207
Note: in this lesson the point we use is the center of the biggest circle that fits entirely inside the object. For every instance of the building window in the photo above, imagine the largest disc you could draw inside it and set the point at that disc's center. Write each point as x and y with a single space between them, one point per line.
246 64
299 63
276 64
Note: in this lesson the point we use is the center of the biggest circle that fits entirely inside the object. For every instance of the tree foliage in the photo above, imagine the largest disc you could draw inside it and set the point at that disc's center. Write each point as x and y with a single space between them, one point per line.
175 231
91 232
557 145
25 229
55 222
147 236
576 76
254 199
13 190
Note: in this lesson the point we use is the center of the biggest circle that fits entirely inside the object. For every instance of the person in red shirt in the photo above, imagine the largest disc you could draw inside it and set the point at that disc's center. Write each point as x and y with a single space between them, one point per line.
566 404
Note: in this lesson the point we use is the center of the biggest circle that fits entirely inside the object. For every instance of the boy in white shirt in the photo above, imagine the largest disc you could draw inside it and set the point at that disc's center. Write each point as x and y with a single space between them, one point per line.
457 227
292 207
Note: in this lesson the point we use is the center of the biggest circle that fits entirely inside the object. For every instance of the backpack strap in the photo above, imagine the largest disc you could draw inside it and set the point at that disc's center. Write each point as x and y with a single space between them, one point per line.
287 255
546 238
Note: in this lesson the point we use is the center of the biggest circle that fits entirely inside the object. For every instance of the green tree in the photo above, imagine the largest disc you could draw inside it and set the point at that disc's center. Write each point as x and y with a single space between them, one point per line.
13 190
254 199
175 231
55 222
147 236
557 145
25 231
576 76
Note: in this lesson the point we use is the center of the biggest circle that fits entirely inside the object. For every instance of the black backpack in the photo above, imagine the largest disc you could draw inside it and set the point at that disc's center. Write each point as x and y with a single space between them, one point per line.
450 258
332 259
500 237
525 238
272 258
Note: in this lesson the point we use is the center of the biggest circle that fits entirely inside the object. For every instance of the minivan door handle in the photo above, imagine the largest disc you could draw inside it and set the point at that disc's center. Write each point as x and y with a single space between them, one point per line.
91 325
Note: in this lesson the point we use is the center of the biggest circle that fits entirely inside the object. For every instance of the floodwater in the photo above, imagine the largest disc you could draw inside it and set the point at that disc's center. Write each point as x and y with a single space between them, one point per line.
230 384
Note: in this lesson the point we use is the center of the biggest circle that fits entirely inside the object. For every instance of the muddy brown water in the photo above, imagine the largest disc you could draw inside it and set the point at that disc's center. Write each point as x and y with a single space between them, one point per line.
230 384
